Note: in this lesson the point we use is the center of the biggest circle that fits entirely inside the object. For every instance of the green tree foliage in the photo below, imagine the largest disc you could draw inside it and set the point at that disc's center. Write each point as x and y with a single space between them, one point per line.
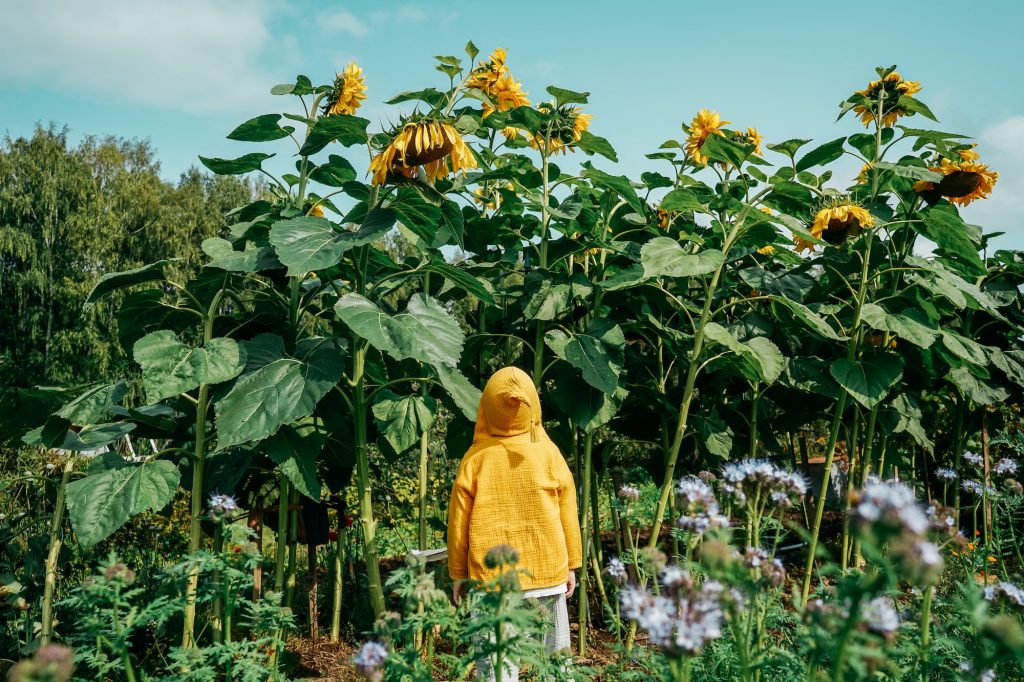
69 213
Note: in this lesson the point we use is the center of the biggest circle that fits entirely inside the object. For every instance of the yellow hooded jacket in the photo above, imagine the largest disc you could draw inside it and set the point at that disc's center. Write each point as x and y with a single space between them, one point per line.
513 488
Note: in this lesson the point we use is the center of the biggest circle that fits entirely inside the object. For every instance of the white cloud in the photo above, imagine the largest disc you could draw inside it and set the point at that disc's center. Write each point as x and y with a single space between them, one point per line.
1002 147
187 55
343 20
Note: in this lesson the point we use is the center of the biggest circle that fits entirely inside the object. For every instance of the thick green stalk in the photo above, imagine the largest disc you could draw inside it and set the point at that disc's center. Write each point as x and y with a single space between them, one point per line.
195 534
588 447
369 527
293 546
684 406
833 437
423 482
217 615
926 629
56 540
280 552
339 577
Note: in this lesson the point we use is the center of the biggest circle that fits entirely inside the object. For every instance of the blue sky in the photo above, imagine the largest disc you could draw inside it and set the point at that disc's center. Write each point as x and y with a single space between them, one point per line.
183 73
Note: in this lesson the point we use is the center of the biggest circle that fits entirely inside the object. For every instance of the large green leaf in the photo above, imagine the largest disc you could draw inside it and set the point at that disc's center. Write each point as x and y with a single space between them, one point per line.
979 390
420 216
94 405
465 395
721 148
424 332
458 278
868 381
547 296
259 403
760 354
348 130
810 318
240 166
113 491
335 173
664 257
402 419
112 281
826 153
588 407
311 243
619 184
276 389
224 256
946 229
170 367
910 325
294 449
89 438
681 199
597 352
263 128
965 348
910 420
593 144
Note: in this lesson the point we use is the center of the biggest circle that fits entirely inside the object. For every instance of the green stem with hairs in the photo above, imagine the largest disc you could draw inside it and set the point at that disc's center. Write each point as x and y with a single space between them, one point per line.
588 447
195 534
56 540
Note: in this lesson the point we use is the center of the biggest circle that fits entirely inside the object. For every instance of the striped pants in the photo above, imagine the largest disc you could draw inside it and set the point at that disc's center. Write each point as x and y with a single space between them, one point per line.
556 638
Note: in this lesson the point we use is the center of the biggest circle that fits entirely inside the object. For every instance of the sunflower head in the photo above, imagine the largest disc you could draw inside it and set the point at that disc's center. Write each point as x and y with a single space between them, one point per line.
435 145
963 181
564 128
487 73
348 92
664 219
767 250
489 199
317 211
892 86
837 221
705 124
754 138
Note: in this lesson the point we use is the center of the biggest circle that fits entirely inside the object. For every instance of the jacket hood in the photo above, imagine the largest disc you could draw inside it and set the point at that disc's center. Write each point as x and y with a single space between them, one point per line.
509 406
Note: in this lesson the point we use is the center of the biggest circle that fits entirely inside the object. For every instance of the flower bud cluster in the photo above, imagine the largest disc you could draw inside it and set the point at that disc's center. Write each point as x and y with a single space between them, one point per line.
698 506
888 512
758 478
680 620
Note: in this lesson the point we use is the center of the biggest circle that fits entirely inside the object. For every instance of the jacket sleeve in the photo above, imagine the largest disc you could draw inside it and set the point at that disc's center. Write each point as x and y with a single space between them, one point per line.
460 509
568 512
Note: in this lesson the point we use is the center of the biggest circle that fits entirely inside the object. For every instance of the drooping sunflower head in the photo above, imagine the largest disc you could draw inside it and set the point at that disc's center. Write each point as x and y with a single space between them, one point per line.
838 220
893 86
963 181
434 145
705 124
565 127
348 92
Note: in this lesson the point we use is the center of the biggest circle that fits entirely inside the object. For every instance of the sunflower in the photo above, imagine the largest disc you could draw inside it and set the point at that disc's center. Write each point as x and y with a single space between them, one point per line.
704 125
894 87
767 250
566 127
836 222
506 93
752 137
963 181
765 209
316 211
424 143
664 219
969 154
348 92
486 74
865 173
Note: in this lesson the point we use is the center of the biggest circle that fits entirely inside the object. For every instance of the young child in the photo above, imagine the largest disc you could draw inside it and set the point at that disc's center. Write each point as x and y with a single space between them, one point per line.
514 488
